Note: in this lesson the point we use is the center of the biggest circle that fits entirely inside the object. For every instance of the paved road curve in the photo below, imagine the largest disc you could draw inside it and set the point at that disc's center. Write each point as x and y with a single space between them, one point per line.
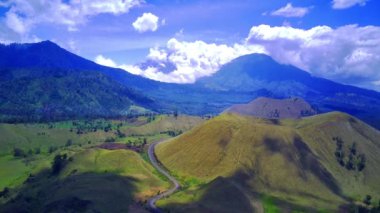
176 186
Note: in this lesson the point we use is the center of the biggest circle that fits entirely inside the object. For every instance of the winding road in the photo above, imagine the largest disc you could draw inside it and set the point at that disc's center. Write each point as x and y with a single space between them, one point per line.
152 201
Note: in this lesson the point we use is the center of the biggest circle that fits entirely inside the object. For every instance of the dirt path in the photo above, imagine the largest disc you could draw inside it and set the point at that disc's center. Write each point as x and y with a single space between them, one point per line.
152 201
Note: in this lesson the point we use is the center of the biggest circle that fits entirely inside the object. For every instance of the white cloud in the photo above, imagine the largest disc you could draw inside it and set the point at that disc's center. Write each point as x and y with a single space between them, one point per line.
343 4
14 22
146 22
100 59
348 54
191 59
289 11
23 15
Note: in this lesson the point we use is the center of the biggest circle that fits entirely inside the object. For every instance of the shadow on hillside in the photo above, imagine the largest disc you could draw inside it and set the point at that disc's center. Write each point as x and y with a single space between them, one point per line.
233 194
220 195
89 192
236 193
301 155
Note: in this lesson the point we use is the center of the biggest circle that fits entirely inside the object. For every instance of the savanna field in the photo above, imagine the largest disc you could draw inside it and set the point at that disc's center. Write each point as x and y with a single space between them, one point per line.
202 106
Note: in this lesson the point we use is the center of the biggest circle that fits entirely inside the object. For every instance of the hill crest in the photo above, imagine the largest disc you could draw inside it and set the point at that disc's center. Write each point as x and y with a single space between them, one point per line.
274 108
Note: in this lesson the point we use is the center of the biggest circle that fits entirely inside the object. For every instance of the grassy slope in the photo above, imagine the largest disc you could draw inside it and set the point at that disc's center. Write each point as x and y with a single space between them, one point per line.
117 175
318 131
164 123
275 159
120 162
107 179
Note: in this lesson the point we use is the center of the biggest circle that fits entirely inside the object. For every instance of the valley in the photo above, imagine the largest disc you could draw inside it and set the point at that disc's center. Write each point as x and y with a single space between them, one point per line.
255 136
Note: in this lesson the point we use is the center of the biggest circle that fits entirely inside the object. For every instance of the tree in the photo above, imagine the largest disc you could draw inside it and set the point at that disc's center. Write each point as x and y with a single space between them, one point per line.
339 152
17 152
120 134
37 151
367 200
5 192
52 149
353 149
69 143
145 141
58 163
110 140
361 163
350 165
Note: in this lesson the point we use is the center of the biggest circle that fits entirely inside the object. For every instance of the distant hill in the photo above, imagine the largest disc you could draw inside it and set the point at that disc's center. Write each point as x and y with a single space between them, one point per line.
274 108
295 163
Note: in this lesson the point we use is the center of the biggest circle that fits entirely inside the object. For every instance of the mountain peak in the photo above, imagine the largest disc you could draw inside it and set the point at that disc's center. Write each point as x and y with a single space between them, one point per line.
253 72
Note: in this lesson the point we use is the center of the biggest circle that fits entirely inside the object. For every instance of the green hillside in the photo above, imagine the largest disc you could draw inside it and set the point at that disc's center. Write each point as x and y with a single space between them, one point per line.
94 180
105 177
292 163
73 96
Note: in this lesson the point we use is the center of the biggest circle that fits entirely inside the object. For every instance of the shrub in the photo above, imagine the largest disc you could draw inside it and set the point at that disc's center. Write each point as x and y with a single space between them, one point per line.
367 200
69 143
58 163
17 152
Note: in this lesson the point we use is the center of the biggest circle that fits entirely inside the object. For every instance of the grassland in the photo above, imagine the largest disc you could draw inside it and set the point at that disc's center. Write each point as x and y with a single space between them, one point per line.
290 161
101 179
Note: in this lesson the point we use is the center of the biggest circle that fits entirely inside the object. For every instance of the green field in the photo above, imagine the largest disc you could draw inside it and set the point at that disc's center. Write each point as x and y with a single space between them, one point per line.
92 178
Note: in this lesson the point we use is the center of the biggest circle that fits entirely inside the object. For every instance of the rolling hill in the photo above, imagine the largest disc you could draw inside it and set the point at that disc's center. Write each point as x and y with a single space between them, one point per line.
274 108
94 180
292 163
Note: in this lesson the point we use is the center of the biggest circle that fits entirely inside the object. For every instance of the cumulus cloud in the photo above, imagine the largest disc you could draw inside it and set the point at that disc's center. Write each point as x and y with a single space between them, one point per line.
23 15
191 60
147 22
289 11
344 4
348 54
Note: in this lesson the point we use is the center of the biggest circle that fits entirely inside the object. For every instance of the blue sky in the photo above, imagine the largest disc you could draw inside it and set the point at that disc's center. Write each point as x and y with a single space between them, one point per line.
197 37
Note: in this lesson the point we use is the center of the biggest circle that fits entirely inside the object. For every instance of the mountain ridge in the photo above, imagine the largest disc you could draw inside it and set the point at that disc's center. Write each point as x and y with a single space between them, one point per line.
258 76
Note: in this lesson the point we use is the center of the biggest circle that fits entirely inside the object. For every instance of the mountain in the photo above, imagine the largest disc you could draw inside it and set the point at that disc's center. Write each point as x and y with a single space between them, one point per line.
321 162
240 81
274 108
255 75
42 81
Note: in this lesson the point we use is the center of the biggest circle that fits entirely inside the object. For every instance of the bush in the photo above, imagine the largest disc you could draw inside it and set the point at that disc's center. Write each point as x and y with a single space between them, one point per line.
37 151
69 143
58 163
17 152
5 192
367 200
110 140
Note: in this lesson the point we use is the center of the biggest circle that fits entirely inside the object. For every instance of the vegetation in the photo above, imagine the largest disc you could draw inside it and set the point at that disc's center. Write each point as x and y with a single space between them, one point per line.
58 163
291 160
355 161
41 155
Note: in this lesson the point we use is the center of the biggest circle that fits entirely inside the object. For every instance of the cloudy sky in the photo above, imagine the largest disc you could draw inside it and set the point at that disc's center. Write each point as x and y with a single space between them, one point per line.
181 40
